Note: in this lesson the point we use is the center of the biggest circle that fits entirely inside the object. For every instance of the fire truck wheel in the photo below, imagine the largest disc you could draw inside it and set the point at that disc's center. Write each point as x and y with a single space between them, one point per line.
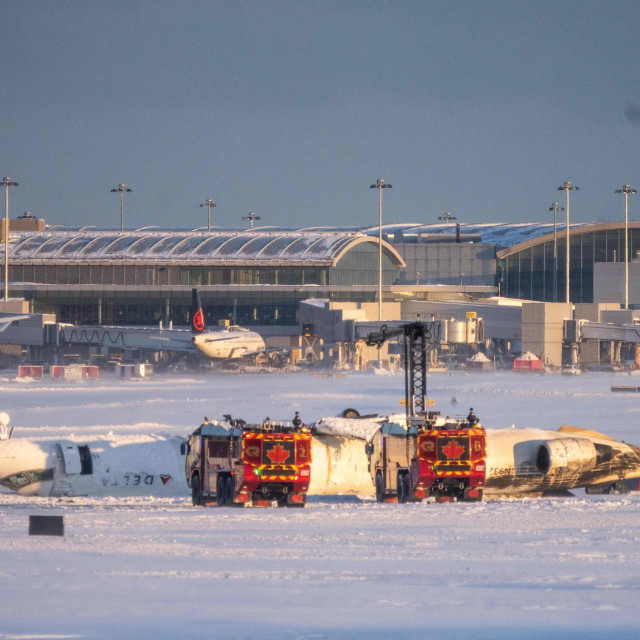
196 498
400 489
220 486
228 492
406 487
379 488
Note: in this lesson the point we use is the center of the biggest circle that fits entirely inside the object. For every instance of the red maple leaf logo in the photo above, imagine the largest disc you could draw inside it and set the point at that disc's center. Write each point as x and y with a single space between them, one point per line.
198 321
453 450
278 454
165 478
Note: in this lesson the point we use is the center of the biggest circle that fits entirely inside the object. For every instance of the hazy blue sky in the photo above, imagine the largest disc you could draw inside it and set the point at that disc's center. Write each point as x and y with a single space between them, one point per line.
292 109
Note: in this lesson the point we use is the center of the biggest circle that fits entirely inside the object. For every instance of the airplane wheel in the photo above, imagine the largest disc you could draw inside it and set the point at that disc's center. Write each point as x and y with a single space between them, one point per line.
379 488
350 413
228 492
196 498
220 491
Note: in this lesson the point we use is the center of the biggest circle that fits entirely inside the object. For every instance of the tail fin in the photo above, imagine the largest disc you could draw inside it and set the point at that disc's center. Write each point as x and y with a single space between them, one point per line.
197 314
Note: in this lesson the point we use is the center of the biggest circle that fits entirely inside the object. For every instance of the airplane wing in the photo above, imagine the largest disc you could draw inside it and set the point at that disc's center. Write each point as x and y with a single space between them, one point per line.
257 352
5 321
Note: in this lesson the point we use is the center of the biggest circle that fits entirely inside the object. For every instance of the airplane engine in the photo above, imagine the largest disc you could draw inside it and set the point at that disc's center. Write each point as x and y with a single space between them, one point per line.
575 455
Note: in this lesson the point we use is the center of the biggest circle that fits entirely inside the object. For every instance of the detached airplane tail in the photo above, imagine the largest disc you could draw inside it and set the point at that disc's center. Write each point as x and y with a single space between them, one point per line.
197 314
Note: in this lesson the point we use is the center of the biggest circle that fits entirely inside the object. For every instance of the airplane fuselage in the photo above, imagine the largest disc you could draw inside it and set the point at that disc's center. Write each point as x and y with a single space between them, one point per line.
120 466
519 462
228 344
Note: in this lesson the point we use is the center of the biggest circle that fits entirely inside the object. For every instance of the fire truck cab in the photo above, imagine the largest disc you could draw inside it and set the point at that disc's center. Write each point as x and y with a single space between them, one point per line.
234 463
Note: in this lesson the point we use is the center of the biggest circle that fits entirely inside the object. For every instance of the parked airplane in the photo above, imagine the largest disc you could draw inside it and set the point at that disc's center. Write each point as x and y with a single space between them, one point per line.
230 343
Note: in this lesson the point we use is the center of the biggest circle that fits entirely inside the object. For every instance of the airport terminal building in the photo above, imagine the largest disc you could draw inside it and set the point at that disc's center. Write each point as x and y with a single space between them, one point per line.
249 277
257 277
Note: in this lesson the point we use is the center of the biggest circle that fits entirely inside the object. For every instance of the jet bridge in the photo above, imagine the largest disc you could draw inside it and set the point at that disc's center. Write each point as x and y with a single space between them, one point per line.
580 330
577 331
152 338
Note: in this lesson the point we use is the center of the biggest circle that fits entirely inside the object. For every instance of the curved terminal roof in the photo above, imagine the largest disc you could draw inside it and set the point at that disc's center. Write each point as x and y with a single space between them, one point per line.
499 233
575 231
268 245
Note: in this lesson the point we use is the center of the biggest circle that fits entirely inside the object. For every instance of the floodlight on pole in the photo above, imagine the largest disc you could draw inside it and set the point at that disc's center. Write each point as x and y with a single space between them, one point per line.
121 189
447 217
555 207
208 203
567 187
380 185
626 189
6 183
251 217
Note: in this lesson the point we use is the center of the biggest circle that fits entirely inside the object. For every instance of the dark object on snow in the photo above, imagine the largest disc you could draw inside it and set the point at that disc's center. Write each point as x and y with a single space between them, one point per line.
46 526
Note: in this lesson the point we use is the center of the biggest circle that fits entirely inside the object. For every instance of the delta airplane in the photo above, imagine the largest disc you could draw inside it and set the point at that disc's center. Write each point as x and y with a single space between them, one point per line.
520 462
529 461
110 466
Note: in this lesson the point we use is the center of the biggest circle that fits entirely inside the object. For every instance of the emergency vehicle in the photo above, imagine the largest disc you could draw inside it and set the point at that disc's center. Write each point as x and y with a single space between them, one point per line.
430 456
232 463
444 459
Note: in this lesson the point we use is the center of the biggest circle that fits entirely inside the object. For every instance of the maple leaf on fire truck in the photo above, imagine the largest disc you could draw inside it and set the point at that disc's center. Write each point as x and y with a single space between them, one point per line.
453 450
278 454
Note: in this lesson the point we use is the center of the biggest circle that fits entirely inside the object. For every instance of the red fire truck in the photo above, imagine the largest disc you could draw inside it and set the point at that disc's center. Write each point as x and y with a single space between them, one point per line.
232 463
441 459
434 457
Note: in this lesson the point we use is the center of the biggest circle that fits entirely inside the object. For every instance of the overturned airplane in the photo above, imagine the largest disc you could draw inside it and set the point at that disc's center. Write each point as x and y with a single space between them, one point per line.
520 462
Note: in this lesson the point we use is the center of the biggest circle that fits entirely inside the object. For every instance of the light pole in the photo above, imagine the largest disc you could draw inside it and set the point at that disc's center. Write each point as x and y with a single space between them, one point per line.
555 207
566 187
626 189
251 217
121 189
447 217
208 203
380 185
6 183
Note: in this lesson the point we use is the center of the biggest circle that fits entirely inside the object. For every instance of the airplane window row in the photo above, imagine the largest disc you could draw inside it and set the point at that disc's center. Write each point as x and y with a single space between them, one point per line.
19 480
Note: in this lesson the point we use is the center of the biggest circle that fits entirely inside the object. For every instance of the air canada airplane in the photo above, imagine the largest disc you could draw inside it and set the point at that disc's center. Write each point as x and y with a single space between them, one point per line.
230 343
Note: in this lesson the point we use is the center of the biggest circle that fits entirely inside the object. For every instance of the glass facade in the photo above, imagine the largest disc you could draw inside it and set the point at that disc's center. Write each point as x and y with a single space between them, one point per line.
533 274
135 307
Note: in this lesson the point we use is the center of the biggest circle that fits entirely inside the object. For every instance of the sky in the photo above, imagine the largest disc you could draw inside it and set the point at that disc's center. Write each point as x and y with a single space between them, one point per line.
292 109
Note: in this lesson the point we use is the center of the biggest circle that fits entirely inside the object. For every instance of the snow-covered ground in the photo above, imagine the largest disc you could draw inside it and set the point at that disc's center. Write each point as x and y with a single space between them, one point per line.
342 567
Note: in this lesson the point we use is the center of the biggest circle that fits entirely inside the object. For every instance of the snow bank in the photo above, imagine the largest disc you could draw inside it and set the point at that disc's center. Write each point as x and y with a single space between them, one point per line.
527 355
478 357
